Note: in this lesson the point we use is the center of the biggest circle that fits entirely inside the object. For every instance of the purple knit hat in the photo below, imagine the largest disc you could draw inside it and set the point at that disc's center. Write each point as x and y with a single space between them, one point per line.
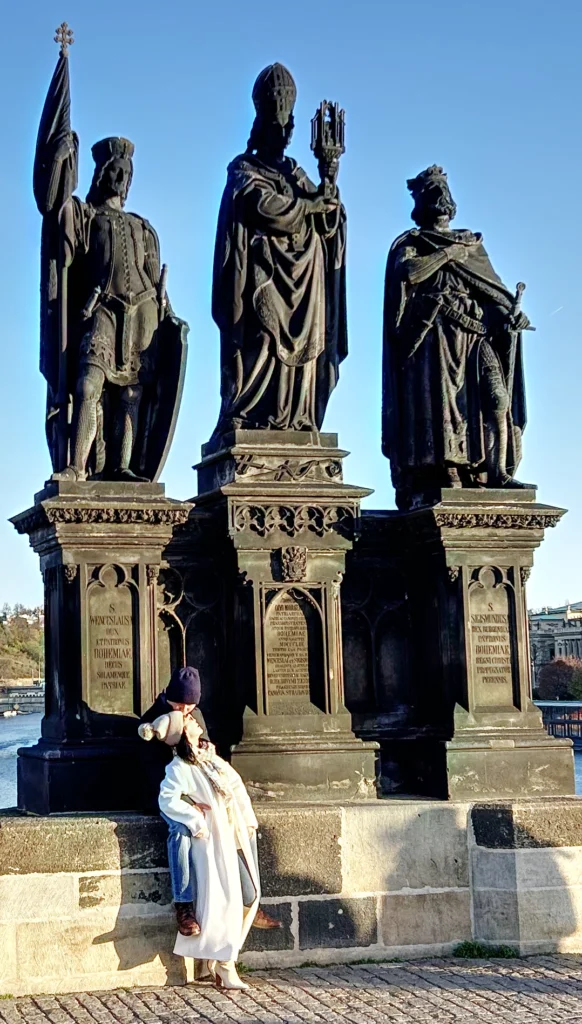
184 686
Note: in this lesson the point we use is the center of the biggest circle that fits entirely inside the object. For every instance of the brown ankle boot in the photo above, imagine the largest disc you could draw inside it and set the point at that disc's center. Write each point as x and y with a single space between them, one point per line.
187 923
264 922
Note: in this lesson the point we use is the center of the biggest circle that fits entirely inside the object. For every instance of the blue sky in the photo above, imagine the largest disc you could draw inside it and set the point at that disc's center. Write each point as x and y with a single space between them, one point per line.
489 90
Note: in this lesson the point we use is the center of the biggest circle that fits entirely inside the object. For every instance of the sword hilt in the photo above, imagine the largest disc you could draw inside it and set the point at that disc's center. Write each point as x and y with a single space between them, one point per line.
519 290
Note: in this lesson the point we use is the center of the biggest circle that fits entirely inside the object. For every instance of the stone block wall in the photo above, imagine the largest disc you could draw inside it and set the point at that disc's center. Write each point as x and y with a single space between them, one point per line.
526 874
85 901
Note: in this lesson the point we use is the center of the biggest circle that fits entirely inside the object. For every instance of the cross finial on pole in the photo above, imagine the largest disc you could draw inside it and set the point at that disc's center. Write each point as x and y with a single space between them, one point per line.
64 36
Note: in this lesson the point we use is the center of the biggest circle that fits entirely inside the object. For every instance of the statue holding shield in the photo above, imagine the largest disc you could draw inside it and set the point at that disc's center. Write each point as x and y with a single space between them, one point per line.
112 352
279 270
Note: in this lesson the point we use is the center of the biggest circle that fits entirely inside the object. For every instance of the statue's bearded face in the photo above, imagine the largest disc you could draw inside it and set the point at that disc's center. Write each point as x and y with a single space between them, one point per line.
116 178
435 201
288 130
278 131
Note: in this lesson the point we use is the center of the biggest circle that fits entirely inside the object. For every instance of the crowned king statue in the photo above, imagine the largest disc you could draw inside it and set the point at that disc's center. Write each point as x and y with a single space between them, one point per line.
453 387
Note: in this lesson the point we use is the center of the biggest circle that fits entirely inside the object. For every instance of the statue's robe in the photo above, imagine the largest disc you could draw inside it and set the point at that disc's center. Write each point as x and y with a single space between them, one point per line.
434 408
278 299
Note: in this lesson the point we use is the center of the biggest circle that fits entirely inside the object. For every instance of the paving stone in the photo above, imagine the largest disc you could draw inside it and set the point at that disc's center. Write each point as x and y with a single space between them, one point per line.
536 990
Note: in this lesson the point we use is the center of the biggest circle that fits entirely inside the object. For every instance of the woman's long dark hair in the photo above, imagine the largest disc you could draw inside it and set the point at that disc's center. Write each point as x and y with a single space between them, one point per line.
186 751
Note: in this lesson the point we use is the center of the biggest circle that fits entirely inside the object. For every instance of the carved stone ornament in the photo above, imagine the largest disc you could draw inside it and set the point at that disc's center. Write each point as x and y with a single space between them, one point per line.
70 572
453 571
290 469
152 573
517 520
114 515
292 520
525 573
294 564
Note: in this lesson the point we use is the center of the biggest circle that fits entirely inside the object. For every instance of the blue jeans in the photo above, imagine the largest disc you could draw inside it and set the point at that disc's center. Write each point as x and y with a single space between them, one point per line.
182 873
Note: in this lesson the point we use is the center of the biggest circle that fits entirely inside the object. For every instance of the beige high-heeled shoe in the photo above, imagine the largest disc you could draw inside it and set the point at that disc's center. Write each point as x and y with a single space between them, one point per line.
226 975
207 970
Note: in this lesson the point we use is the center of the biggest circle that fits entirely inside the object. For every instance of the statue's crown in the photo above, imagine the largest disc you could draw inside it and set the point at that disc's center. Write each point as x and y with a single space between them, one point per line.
107 149
431 176
275 91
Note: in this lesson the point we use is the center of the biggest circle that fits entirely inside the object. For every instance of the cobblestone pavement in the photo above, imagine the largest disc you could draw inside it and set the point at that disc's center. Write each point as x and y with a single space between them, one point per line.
544 989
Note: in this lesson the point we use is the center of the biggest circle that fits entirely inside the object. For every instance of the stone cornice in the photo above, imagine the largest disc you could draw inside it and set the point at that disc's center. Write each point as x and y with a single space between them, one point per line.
45 514
498 519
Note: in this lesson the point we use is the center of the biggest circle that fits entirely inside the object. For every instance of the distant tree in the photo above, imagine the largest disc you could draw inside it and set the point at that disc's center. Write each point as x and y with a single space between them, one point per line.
575 685
21 649
554 679
576 680
6 610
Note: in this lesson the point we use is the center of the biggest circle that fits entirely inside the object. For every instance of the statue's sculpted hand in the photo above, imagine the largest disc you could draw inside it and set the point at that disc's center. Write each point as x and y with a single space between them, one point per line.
519 322
65 147
459 252
321 205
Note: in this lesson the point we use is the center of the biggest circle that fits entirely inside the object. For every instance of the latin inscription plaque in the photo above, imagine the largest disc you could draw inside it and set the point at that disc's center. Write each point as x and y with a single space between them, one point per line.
110 645
287 650
490 640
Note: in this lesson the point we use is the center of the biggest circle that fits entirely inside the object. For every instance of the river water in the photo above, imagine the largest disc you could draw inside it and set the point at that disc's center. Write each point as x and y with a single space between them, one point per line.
23 730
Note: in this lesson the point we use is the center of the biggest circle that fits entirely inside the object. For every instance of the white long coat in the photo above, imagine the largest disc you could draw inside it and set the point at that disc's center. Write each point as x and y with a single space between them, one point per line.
223 920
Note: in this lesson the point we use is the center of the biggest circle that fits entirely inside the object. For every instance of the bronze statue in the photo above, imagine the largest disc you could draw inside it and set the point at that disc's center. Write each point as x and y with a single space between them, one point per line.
453 387
279 270
112 352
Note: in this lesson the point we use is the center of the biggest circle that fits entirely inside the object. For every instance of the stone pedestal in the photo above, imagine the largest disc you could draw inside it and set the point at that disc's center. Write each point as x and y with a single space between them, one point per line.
478 733
100 546
290 518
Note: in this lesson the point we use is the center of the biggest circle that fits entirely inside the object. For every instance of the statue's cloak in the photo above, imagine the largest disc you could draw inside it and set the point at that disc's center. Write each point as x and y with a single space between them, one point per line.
265 285
408 438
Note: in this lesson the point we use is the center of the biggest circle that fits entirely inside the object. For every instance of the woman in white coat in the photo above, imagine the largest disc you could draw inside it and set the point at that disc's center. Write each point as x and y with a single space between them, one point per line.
206 794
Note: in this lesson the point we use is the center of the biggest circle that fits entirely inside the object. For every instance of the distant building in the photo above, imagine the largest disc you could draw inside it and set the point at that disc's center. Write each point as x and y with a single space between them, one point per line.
554 633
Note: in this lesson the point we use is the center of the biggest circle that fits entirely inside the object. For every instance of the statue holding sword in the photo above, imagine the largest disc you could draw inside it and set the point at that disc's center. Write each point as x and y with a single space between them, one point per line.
453 388
112 352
